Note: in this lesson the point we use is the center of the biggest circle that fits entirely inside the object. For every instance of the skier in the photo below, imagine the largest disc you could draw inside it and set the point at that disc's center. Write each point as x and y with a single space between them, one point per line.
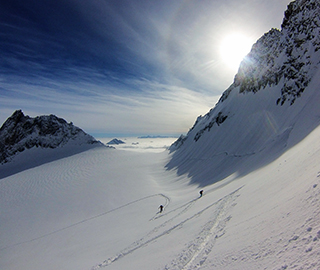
160 208
201 193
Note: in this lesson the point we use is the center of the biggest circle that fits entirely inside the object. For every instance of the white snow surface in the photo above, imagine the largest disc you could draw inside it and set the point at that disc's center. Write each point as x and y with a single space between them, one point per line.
99 210
256 156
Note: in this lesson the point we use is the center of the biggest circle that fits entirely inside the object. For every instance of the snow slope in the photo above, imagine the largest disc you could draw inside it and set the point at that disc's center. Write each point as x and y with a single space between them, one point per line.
47 132
98 210
256 155
273 103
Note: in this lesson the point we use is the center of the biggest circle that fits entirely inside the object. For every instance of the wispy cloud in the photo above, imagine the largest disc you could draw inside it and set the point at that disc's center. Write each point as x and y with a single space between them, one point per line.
122 66
155 109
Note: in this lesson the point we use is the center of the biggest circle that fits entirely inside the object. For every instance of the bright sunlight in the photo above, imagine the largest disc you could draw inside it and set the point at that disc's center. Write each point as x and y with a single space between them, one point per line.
234 48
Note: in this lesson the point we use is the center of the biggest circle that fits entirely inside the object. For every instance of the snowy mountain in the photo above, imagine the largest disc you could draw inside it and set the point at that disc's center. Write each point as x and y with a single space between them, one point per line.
20 132
116 141
98 209
272 103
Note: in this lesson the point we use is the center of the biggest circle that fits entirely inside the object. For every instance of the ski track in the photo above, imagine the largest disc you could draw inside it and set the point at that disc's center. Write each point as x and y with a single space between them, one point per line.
295 248
197 250
88 219
184 208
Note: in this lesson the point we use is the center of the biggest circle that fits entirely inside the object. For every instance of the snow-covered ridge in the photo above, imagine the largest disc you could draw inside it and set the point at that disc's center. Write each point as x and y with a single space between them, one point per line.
20 132
272 103
288 57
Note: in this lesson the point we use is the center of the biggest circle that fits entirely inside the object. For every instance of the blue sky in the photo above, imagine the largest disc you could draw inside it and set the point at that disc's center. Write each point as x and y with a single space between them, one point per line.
120 67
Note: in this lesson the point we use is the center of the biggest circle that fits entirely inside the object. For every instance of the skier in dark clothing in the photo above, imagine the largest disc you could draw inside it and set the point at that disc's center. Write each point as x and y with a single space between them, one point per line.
160 208
201 193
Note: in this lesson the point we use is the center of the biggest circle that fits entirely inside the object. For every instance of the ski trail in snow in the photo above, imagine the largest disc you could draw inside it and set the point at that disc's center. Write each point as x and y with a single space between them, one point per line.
156 216
198 249
88 219
211 232
149 238
184 208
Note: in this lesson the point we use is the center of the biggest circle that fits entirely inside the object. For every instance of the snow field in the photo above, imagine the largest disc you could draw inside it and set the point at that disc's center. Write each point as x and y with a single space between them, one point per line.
57 202
99 210
276 225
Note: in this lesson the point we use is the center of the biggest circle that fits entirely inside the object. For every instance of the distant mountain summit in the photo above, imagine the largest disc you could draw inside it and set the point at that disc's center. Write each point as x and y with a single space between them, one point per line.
116 141
20 132
272 104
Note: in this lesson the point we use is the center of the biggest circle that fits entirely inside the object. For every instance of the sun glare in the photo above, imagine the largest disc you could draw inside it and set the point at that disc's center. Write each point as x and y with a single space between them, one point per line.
234 48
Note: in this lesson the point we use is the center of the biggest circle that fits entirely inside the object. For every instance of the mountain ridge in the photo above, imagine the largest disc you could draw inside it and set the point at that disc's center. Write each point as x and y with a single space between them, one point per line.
20 132
273 93
300 31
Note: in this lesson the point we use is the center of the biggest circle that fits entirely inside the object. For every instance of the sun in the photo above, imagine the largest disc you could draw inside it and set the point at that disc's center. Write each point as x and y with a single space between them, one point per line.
234 47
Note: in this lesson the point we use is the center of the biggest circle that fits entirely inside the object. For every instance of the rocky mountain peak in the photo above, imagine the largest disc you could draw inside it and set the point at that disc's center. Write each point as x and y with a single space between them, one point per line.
288 57
20 132
302 7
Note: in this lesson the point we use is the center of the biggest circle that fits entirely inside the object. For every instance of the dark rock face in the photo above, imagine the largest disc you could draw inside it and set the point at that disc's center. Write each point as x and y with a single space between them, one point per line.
288 57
